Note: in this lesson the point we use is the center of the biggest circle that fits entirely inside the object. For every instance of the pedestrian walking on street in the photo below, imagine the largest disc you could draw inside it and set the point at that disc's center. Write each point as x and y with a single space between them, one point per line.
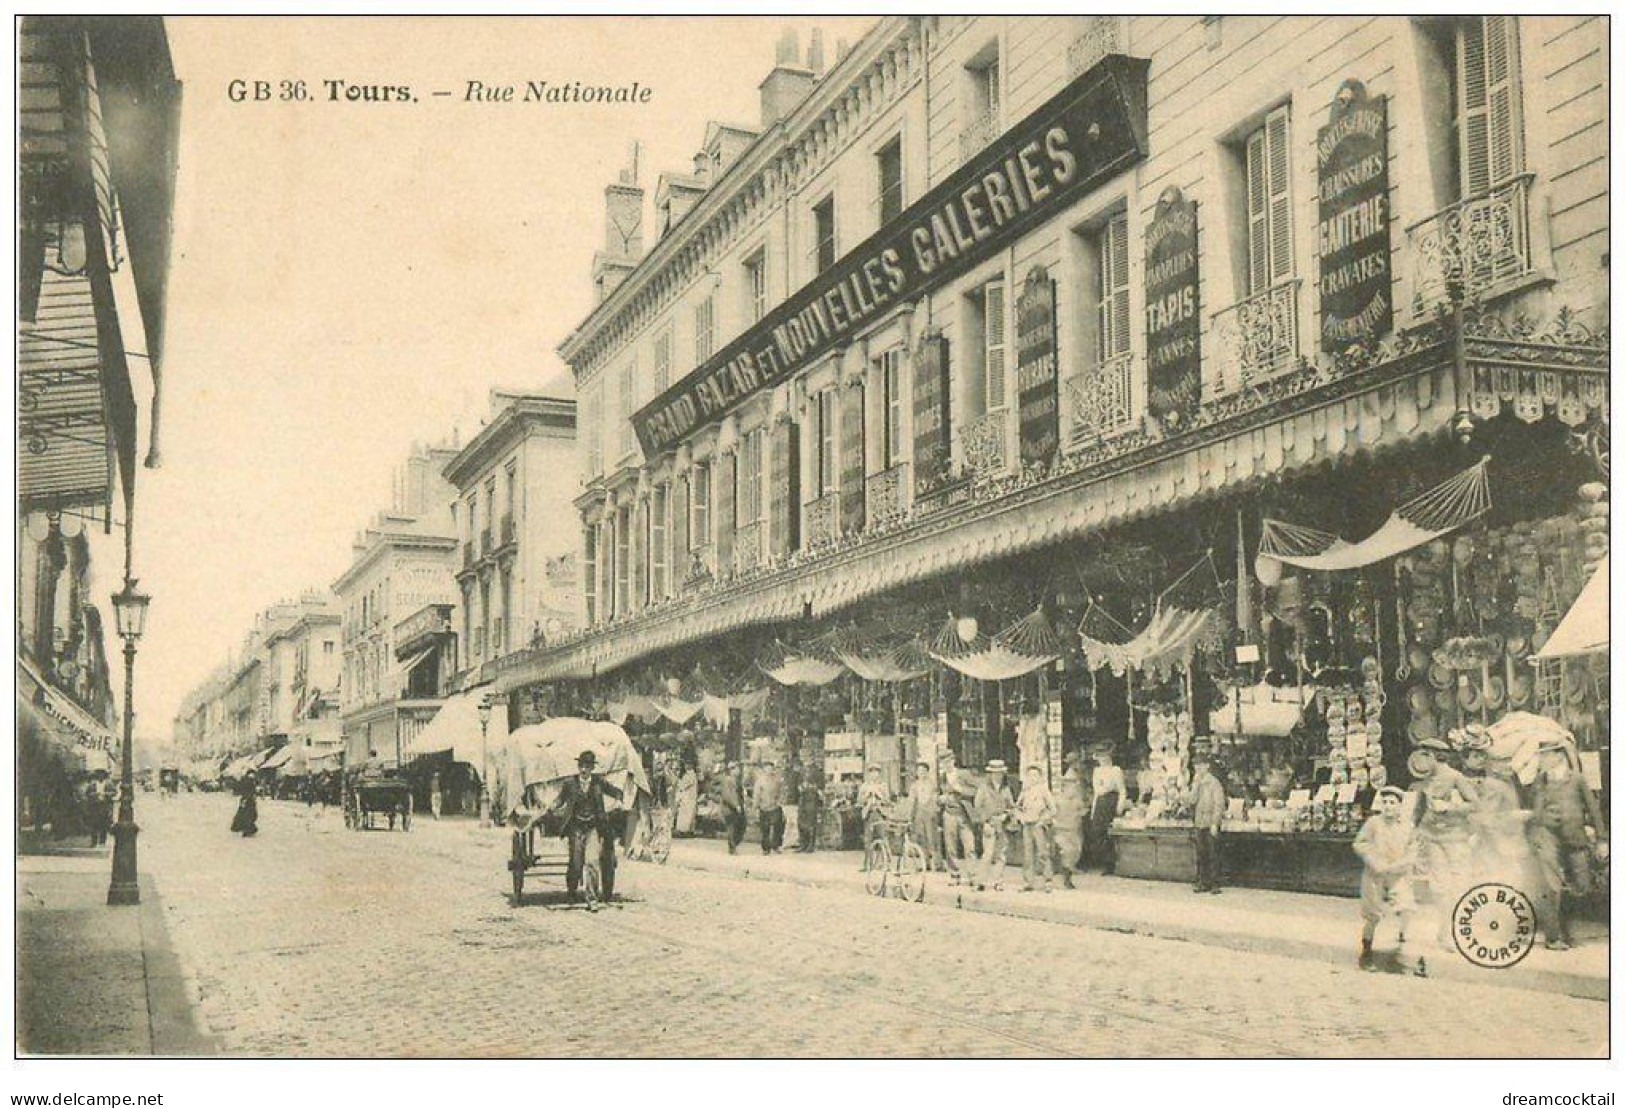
1109 788
686 798
874 801
1035 811
247 820
434 794
1566 830
732 800
582 809
958 825
769 796
1207 801
924 814
1071 813
994 810
809 813
1386 845
99 807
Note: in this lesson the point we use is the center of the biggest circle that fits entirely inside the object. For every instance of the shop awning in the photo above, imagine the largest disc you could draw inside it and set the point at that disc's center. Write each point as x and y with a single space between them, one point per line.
456 727
1584 629
280 758
417 658
61 720
247 762
1265 710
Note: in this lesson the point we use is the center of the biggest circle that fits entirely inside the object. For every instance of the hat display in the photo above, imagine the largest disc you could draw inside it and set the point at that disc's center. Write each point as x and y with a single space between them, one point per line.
997 766
1389 790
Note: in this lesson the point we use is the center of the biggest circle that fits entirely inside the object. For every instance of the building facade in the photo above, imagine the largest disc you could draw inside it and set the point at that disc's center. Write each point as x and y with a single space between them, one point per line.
402 562
518 534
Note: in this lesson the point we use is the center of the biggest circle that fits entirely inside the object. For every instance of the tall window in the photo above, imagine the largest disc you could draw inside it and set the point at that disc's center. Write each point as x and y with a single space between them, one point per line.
473 521
591 426
704 329
510 474
750 477
1269 204
824 234
658 507
623 561
1111 289
756 285
891 401
985 91
1489 108
589 576
699 499
662 372
490 504
889 164
628 440
993 357
504 622
826 442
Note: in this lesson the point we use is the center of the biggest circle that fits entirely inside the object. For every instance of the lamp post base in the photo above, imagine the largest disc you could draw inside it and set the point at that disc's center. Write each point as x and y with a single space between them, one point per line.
125 887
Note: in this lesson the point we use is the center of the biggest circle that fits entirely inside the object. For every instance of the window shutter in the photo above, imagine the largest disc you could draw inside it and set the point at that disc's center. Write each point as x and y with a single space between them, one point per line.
1472 94
726 508
640 554
1277 141
993 320
1113 289
1502 94
1258 272
679 533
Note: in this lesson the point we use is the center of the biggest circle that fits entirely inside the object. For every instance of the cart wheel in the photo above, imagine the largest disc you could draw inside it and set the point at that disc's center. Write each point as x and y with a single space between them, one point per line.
516 866
406 819
876 865
660 844
911 873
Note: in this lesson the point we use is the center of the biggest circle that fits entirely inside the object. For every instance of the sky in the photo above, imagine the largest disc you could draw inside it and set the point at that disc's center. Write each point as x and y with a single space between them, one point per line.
349 278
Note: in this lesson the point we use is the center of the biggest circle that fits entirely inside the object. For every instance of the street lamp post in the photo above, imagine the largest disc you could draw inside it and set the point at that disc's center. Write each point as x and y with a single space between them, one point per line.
130 611
485 759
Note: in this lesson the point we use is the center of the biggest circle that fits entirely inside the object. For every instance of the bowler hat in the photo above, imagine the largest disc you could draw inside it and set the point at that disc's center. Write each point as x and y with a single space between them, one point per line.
586 758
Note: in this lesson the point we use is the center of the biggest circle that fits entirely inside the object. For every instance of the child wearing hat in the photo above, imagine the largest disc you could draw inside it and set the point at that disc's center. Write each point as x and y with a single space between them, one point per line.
1387 847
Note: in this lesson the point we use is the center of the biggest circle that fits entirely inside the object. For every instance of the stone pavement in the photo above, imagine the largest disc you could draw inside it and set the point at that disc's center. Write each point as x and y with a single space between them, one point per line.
311 940
93 979
1283 924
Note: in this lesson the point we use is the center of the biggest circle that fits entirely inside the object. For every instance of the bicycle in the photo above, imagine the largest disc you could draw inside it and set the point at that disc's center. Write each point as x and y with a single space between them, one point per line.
902 870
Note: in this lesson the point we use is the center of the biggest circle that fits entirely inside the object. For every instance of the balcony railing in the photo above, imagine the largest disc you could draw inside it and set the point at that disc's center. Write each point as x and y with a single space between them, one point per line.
822 521
1256 339
886 495
1101 35
506 530
986 446
1101 400
980 130
749 545
1472 245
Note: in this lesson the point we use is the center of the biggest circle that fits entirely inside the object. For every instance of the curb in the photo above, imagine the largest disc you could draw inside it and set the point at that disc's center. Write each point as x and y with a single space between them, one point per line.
1580 986
173 1012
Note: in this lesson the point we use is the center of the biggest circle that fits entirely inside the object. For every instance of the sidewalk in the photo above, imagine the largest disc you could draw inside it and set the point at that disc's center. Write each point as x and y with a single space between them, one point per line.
1291 925
93 979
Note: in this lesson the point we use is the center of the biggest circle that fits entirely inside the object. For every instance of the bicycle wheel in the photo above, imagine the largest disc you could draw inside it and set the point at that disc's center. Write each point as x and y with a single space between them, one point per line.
876 866
911 866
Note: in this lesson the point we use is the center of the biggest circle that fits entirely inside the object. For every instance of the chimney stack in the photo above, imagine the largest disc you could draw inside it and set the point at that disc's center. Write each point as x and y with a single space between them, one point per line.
623 230
789 82
815 53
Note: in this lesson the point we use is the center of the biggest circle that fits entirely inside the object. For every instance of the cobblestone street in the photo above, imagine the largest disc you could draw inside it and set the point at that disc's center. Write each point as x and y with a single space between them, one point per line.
313 940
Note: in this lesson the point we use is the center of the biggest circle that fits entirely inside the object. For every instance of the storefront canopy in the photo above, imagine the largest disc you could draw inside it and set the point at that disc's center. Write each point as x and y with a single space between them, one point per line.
1584 630
456 728
62 722
280 758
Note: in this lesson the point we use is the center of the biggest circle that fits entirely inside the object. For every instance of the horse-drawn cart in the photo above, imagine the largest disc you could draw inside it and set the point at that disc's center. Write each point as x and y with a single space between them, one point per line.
378 803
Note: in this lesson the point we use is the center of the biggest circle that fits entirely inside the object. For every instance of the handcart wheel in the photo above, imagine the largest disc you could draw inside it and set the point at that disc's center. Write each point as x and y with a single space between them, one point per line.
406 819
517 865
911 873
876 863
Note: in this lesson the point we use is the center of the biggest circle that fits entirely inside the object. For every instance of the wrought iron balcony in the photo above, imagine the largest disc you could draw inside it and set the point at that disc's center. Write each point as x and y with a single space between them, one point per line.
886 495
1101 35
1256 339
1472 245
1101 400
981 129
985 441
750 541
822 521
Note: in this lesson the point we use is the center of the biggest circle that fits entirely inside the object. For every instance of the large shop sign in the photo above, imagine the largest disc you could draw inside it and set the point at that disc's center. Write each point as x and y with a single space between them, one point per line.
1092 130
1351 158
1036 370
1173 325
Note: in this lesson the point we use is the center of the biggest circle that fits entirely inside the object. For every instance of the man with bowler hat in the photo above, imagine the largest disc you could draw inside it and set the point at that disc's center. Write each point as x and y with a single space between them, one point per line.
582 810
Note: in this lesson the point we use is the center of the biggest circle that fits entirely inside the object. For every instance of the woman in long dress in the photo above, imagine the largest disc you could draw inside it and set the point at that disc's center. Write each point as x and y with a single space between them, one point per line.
246 821
688 800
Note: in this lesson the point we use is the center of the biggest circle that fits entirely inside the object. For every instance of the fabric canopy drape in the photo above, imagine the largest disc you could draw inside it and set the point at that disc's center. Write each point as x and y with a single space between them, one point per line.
1584 628
1165 643
676 710
801 670
1026 645
1437 512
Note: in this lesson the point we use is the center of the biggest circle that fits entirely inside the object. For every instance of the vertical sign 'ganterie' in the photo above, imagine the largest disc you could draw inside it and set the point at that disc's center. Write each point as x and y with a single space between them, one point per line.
1353 237
931 426
1173 325
1036 377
